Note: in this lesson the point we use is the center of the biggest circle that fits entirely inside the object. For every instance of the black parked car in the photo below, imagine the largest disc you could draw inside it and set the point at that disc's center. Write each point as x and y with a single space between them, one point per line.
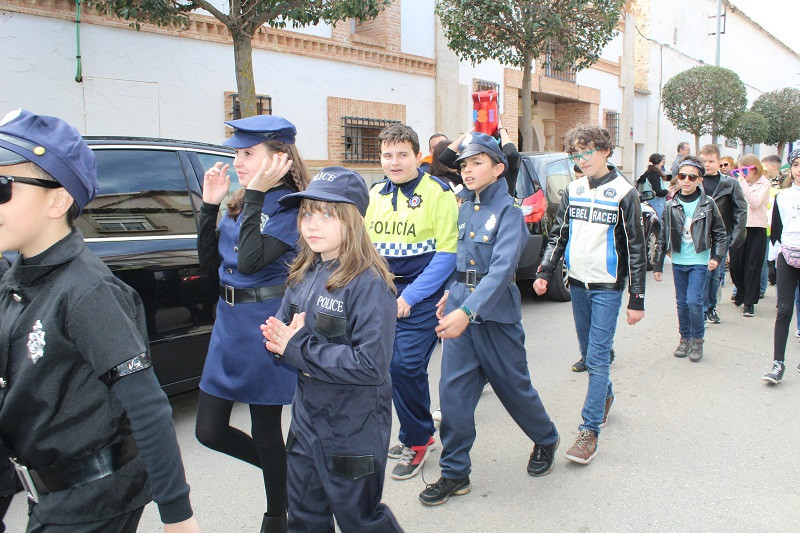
143 226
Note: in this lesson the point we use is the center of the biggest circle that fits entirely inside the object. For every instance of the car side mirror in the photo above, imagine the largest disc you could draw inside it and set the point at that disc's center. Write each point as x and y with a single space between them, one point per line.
646 195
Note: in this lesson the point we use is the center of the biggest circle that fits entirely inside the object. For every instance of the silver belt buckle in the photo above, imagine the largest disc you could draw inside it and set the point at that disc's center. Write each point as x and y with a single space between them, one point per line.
472 278
229 294
27 481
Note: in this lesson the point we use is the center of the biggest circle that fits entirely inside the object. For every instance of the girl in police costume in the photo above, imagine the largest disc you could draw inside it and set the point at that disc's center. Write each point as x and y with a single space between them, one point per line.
332 327
252 247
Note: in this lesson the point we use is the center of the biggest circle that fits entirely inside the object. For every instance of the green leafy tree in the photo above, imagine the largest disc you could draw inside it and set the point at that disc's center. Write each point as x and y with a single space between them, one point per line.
782 110
751 128
517 32
704 100
242 18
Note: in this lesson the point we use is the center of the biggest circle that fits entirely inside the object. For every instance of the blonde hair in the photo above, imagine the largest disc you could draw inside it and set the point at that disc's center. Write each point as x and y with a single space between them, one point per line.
356 254
296 179
750 160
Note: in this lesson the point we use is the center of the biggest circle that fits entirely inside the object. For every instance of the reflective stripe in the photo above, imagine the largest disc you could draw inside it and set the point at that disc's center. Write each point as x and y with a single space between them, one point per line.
401 249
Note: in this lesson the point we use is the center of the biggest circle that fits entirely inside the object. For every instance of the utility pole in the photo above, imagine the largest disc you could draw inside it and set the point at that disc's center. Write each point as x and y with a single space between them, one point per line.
715 134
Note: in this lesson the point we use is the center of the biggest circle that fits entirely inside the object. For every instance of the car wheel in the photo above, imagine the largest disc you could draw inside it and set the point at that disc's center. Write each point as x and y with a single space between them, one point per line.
652 240
558 288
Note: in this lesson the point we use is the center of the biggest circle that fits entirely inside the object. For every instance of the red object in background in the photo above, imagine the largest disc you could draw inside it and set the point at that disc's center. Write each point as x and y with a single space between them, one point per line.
485 112
534 207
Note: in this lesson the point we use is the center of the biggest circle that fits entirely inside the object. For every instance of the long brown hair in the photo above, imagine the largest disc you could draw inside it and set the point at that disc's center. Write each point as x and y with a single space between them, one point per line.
356 254
296 179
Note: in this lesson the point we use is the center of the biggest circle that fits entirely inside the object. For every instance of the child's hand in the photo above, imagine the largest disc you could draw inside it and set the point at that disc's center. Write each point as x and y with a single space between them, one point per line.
403 309
216 183
657 276
540 286
440 305
712 264
633 316
279 334
452 325
271 171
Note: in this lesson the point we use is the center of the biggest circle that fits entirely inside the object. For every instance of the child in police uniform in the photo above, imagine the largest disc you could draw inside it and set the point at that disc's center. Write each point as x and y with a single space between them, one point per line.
332 328
81 410
481 319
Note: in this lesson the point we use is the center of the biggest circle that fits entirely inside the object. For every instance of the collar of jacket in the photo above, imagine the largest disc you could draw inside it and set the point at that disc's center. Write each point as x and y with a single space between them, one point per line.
406 188
59 254
488 194
596 182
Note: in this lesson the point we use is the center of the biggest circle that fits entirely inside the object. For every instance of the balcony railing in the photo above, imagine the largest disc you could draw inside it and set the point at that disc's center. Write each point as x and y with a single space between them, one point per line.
554 55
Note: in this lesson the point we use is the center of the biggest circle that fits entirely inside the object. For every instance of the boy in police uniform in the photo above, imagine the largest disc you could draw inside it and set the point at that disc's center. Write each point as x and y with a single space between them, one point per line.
411 218
81 411
481 319
598 231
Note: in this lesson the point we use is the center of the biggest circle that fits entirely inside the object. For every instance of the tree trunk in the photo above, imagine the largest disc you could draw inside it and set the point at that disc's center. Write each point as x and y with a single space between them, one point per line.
781 146
243 60
527 126
696 145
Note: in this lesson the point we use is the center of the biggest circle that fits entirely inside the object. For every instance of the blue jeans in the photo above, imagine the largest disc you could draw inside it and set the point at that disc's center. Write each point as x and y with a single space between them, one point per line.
596 315
689 283
713 280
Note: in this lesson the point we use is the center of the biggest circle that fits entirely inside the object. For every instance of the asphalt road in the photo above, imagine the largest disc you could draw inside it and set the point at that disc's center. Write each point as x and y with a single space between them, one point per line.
702 446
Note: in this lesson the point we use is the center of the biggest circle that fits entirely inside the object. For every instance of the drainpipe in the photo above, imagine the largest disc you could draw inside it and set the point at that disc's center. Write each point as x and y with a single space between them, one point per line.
79 72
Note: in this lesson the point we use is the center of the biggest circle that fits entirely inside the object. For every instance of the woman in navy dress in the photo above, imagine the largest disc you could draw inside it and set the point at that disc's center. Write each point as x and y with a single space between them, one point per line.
252 246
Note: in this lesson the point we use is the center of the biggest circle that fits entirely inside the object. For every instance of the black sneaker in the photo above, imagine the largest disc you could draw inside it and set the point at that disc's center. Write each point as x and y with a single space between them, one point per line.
542 458
748 310
712 317
440 492
775 375
580 366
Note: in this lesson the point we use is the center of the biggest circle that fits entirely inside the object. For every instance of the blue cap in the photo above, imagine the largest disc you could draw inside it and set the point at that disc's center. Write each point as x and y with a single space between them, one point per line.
333 184
255 130
480 143
52 145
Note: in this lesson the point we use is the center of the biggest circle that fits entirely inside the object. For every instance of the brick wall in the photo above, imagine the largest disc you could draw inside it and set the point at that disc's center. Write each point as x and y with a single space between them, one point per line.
345 107
382 32
570 114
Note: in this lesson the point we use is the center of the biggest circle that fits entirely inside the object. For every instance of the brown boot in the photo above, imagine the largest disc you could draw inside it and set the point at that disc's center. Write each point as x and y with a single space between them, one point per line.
609 403
696 350
683 348
584 449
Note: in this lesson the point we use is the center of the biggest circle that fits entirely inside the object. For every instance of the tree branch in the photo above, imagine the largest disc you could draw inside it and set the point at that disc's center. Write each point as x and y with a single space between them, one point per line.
219 15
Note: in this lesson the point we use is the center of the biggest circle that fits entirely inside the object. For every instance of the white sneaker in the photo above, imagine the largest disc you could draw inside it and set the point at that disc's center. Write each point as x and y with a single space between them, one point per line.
437 415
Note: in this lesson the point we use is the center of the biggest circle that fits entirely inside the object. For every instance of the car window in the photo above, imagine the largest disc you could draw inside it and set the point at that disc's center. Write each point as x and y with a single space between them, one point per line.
209 160
142 193
525 182
558 177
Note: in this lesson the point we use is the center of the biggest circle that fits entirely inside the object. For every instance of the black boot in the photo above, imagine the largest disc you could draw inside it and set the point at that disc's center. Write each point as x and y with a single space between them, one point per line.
275 524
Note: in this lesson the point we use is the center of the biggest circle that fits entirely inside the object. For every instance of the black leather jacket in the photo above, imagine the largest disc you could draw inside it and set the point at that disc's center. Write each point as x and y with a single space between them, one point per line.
733 209
708 230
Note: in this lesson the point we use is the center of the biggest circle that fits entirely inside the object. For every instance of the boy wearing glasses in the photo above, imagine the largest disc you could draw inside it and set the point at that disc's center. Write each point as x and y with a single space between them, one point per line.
598 230
695 234
81 411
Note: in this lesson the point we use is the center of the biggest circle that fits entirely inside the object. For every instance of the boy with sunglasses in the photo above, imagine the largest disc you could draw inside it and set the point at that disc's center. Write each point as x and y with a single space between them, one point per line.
598 230
695 234
81 411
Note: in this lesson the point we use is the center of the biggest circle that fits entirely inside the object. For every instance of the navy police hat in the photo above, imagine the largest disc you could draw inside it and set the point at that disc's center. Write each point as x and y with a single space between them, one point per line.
52 145
333 184
480 143
255 130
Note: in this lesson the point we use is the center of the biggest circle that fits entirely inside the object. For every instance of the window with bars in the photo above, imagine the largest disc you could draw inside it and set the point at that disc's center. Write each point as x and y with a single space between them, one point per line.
486 85
612 125
361 143
263 105
554 54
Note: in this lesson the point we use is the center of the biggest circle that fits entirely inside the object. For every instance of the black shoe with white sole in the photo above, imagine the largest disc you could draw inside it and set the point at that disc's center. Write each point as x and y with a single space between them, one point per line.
774 375
439 492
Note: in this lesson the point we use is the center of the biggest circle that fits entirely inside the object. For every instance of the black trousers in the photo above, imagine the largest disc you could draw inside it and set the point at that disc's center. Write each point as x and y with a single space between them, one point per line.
746 264
126 523
788 281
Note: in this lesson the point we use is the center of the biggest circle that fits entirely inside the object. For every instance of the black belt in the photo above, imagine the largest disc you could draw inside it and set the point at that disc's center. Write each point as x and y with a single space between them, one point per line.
618 286
233 296
471 277
80 470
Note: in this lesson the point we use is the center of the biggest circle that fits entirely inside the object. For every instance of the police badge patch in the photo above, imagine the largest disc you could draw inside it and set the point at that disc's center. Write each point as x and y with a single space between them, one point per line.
610 193
579 190
415 201
264 219
36 342
491 223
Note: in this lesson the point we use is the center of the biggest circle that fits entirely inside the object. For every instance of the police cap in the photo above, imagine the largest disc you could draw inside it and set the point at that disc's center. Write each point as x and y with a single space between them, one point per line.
333 184
255 130
480 143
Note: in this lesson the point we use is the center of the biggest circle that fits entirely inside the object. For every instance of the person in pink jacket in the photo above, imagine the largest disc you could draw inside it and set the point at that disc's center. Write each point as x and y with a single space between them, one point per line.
747 259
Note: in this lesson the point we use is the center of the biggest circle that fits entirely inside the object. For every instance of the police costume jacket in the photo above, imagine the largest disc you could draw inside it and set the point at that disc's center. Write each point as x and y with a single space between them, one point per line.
598 231
343 406
413 226
491 237
707 230
252 251
733 207
76 379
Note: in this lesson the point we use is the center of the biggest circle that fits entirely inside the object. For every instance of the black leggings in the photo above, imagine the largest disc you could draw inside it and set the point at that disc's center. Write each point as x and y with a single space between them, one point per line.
265 449
746 264
788 281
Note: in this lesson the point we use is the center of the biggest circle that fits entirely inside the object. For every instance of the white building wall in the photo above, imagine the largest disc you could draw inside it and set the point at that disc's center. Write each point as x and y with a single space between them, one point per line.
173 87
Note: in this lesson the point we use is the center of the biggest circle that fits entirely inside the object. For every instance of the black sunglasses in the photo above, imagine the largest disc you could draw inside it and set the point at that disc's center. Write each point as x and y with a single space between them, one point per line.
690 177
6 181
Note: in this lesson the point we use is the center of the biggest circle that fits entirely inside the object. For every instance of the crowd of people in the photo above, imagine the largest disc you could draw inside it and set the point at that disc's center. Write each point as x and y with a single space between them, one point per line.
352 287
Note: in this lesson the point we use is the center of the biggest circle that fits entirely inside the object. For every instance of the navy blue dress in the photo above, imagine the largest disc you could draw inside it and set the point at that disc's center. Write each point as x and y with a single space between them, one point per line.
238 366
